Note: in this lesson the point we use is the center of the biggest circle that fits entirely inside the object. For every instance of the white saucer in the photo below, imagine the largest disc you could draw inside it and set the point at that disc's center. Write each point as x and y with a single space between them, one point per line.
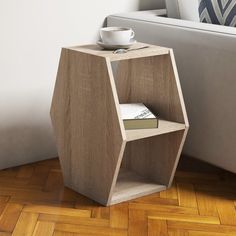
113 47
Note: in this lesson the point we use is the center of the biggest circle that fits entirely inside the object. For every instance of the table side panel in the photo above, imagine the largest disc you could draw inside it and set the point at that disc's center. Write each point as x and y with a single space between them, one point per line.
60 115
150 81
94 134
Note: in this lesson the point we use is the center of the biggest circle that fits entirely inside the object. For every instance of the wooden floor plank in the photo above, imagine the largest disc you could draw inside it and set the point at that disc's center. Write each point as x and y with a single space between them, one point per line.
57 211
138 223
33 201
4 199
11 172
44 229
83 202
97 222
163 208
3 203
25 172
54 181
40 175
206 204
119 216
177 232
5 234
59 233
226 211
15 183
200 233
194 226
186 195
157 228
9 217
170 193
101 231
183 217
101 212
25 194
154 199
26 224
197 176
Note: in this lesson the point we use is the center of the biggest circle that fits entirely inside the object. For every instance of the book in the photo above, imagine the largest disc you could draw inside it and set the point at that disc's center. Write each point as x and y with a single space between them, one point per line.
137 116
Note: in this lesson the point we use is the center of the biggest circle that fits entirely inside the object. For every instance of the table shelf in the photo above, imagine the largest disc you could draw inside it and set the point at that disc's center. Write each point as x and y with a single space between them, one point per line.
130 185
164 127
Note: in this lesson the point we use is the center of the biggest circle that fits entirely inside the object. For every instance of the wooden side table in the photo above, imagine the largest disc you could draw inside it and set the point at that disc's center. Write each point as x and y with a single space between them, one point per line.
99 158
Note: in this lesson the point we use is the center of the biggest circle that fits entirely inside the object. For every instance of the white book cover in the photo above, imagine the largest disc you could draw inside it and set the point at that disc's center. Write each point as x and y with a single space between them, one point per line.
133 111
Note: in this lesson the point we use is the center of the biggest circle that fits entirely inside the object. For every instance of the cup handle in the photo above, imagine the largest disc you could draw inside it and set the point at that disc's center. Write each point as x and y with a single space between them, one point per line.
132 34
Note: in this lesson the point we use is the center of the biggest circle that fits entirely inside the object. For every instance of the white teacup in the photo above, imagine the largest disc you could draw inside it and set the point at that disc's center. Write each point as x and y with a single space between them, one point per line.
116 35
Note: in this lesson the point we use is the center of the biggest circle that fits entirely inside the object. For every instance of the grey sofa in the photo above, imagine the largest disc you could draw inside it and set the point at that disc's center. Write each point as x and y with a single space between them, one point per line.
206 60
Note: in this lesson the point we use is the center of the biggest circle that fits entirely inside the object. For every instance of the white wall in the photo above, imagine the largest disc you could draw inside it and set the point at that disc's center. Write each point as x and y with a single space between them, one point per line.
31 35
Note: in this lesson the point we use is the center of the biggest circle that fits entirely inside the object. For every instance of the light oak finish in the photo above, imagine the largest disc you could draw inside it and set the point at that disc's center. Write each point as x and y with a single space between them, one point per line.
96 51
130 185
87 127
65 212
163 128
91 139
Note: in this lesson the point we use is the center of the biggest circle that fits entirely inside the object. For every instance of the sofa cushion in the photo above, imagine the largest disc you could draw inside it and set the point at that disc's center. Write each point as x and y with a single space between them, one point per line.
183 9
221 12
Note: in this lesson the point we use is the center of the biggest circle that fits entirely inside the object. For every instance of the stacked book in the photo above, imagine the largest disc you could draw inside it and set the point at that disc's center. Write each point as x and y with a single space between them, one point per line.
137 116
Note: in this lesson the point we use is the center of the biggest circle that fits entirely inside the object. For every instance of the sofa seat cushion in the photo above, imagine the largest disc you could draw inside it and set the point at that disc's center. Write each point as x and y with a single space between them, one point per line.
221 12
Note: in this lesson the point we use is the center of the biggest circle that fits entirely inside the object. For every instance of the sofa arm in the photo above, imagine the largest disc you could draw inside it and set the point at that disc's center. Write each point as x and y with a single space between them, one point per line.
159 17
206 58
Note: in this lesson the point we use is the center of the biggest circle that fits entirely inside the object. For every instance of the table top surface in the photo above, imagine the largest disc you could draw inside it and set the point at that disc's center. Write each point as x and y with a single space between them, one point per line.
96 50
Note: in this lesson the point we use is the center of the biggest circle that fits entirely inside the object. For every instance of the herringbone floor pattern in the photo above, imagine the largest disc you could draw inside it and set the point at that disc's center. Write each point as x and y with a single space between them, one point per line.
33 201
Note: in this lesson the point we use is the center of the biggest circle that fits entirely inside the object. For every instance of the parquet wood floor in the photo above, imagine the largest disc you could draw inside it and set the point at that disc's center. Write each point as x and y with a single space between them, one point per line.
34 202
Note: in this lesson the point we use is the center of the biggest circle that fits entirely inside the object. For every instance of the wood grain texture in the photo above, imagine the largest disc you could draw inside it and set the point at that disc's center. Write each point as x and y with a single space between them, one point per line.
163 128
92 129
151 80
157 227
9 216
187 196
129 185
5 234
64 212
42 209
163 208
206 204
97 51
138 223
153 157
186 218
60 115
87 230
119 216
44 228
74 220
170 193
25 224
226 211
59 233
90 133
54 181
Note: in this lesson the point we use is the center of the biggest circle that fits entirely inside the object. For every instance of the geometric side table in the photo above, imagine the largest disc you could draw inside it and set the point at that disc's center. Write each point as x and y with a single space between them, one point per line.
99 158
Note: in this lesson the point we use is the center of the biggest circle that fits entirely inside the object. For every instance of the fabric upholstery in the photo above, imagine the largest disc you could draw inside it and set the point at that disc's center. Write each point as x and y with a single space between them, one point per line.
221 12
